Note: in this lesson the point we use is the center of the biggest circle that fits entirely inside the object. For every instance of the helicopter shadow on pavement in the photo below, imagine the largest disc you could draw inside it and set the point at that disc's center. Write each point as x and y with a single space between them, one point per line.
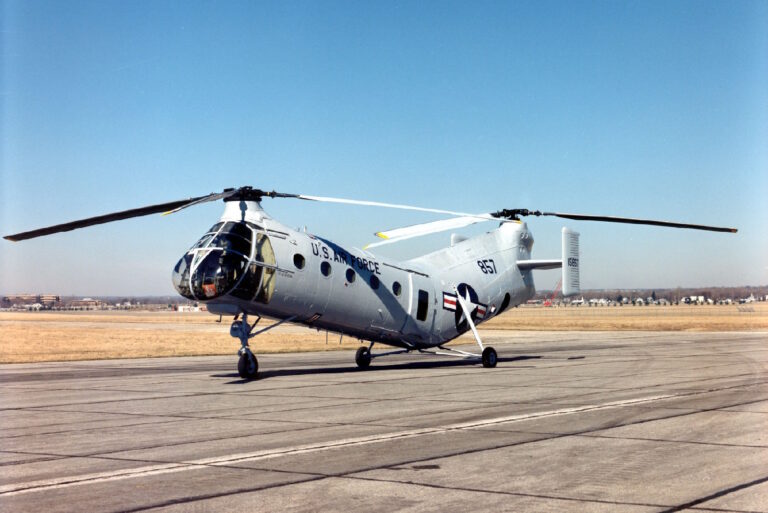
266 374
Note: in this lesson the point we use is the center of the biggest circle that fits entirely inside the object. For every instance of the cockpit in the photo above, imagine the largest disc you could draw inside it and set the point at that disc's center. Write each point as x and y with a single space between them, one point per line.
233 258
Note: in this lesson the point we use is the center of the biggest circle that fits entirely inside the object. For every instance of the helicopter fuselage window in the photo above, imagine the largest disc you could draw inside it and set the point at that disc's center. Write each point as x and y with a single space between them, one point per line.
421 312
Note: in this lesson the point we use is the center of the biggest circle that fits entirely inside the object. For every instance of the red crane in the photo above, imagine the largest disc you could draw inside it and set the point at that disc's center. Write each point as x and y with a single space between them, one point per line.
549 301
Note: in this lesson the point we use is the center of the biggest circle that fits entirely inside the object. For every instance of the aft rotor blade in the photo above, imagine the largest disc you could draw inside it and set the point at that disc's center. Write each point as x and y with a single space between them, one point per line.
114 216
630 220
326 199
434 226
417 230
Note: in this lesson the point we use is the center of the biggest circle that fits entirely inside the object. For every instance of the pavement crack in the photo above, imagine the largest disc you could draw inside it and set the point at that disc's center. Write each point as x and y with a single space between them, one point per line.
716 495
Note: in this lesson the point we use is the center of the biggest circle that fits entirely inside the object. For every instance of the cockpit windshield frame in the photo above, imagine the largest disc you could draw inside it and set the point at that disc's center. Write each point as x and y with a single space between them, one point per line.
238 260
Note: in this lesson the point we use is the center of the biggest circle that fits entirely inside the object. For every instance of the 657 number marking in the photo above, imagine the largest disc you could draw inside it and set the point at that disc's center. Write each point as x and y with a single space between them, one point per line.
488 266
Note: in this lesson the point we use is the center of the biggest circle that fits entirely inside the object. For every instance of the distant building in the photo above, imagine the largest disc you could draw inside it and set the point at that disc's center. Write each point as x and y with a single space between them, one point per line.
187 308
85 304
20 300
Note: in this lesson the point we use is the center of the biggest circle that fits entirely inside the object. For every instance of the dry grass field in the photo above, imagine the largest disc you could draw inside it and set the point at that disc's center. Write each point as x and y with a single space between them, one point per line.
54 336
749 317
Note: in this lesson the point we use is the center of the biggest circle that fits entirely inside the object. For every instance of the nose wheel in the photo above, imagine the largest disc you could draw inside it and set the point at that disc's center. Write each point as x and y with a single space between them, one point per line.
247 365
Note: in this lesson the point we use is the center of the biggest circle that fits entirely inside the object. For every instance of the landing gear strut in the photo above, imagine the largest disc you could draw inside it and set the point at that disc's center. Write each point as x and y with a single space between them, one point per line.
488 356
247 365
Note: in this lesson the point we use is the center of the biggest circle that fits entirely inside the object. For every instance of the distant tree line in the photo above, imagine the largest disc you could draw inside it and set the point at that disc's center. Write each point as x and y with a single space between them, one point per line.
671 295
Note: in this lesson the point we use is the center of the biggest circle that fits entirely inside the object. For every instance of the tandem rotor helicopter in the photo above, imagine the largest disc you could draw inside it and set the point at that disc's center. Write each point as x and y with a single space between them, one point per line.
249 264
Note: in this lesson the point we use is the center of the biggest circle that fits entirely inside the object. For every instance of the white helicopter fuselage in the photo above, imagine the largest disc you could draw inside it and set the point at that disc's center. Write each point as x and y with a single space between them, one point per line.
295 275
250 264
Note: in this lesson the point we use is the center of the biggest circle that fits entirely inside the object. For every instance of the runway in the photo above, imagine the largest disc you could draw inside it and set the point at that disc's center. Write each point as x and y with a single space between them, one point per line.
612 421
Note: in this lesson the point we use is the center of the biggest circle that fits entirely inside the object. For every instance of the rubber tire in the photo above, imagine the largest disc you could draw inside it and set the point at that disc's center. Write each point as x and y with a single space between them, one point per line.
363 357
243 367
489 357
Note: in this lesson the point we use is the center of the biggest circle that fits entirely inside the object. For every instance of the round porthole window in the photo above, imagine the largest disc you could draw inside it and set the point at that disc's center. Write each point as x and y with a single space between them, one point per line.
397 289
299 261
351 276
374 282
325 268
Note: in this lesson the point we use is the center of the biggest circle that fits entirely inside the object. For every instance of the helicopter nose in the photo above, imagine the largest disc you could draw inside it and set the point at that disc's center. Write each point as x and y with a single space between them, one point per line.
216 272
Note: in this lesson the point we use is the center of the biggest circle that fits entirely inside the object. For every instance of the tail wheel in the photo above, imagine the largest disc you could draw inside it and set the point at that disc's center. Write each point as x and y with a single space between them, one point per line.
363 357
489 357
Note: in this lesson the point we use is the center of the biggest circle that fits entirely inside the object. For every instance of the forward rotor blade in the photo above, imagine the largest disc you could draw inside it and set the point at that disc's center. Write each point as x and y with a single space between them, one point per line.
170 206
214 196
630 220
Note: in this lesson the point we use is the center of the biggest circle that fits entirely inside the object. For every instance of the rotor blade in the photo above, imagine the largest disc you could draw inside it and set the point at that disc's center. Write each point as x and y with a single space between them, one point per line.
417 230
114 216
384 242
629 220
325 199
203 199
434 226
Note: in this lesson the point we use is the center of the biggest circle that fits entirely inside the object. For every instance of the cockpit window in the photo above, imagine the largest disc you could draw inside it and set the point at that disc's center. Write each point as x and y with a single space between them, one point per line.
181 276
203 241
217 274
258 278
210 234
230 242
234 237
240 229
264 253
221 263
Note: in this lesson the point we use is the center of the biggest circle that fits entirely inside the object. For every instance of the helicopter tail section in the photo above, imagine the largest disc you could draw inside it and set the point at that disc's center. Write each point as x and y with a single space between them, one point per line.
569 263
571 283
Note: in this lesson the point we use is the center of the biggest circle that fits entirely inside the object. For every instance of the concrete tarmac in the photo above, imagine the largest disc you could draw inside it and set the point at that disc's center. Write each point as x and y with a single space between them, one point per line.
567 421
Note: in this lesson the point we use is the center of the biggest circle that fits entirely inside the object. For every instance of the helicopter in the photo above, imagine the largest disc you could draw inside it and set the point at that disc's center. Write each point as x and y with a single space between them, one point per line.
250 264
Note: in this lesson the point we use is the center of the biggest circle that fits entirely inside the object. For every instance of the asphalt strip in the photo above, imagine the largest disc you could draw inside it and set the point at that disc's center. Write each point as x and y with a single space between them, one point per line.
168 468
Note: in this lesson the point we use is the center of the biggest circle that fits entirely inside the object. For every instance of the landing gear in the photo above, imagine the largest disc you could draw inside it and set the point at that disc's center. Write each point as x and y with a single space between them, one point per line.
489 357
247 365
363 357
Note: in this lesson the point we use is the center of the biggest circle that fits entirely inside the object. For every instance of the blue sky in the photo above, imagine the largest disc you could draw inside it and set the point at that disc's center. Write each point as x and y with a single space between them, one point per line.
645 109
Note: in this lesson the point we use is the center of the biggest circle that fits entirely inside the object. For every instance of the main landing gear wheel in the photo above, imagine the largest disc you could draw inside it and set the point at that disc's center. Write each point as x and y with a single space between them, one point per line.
489 357
247 365
363 357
